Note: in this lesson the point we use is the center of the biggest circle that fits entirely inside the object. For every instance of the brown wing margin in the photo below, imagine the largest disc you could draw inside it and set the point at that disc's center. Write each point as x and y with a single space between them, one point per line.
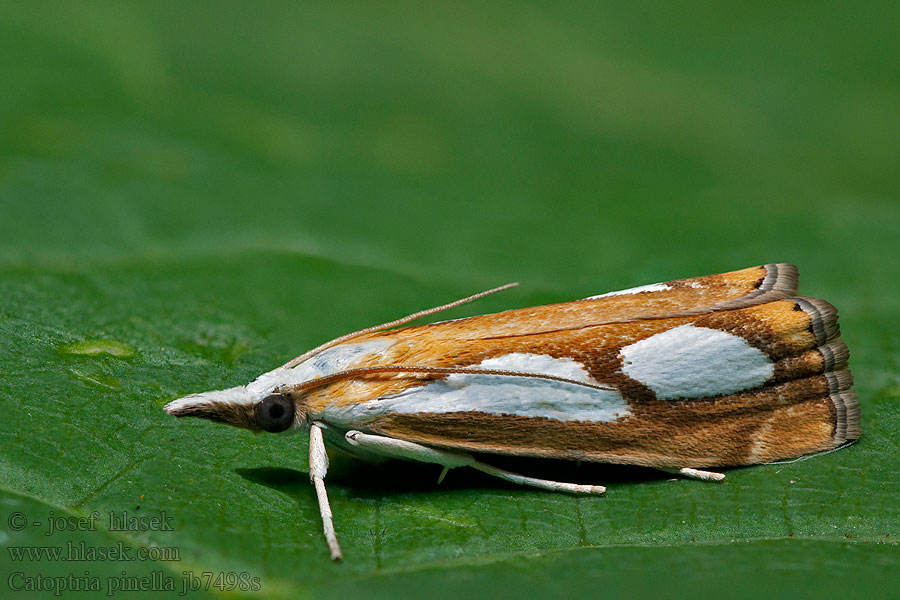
780 281
824 325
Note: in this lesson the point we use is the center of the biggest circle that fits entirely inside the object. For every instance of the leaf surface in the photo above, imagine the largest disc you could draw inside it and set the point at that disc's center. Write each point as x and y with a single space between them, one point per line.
193 194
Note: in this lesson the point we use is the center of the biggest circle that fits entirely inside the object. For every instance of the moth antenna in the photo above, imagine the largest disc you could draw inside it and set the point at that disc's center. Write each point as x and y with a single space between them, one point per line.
401 321
811 455
363 371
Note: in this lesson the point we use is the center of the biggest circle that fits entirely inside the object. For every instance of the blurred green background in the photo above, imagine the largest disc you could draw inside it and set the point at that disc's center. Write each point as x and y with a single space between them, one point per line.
193 193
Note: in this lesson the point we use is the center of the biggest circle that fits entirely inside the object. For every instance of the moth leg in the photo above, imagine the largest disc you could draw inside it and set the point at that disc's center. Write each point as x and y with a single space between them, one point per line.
318 467
544 484
694 473
394 448
449 459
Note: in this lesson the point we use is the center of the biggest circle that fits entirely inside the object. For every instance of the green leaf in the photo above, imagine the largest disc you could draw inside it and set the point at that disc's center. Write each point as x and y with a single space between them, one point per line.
192 194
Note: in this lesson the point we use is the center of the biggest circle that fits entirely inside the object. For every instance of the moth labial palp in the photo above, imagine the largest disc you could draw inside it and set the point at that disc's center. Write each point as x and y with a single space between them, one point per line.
682 376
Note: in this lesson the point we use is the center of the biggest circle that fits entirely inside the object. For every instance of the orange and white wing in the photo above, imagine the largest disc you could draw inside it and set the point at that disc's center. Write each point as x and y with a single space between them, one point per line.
706 371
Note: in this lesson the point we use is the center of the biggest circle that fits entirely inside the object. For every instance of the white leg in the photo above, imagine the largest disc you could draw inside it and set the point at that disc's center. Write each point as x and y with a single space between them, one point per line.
318 467
695 473
394 448
449 459
544 484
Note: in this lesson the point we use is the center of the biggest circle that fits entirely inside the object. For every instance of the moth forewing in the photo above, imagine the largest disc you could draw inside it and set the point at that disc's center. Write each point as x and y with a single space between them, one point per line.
722 370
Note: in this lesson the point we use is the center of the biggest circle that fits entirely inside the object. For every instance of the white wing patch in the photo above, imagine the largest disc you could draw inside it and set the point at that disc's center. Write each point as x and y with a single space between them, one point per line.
695 362
501 394
326 362
536 363
653 287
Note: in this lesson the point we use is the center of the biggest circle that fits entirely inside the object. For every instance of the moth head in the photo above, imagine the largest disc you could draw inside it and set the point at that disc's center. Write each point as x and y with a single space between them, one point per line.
272 411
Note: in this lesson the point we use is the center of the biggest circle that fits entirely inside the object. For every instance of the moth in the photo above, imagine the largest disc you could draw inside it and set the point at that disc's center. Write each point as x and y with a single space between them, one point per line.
683 376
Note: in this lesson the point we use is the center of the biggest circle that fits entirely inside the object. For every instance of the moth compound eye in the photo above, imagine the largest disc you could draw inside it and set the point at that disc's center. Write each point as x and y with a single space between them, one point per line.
275 413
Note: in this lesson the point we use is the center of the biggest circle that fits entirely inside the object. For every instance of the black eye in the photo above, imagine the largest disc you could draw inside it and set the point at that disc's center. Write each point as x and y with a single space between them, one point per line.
275 413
